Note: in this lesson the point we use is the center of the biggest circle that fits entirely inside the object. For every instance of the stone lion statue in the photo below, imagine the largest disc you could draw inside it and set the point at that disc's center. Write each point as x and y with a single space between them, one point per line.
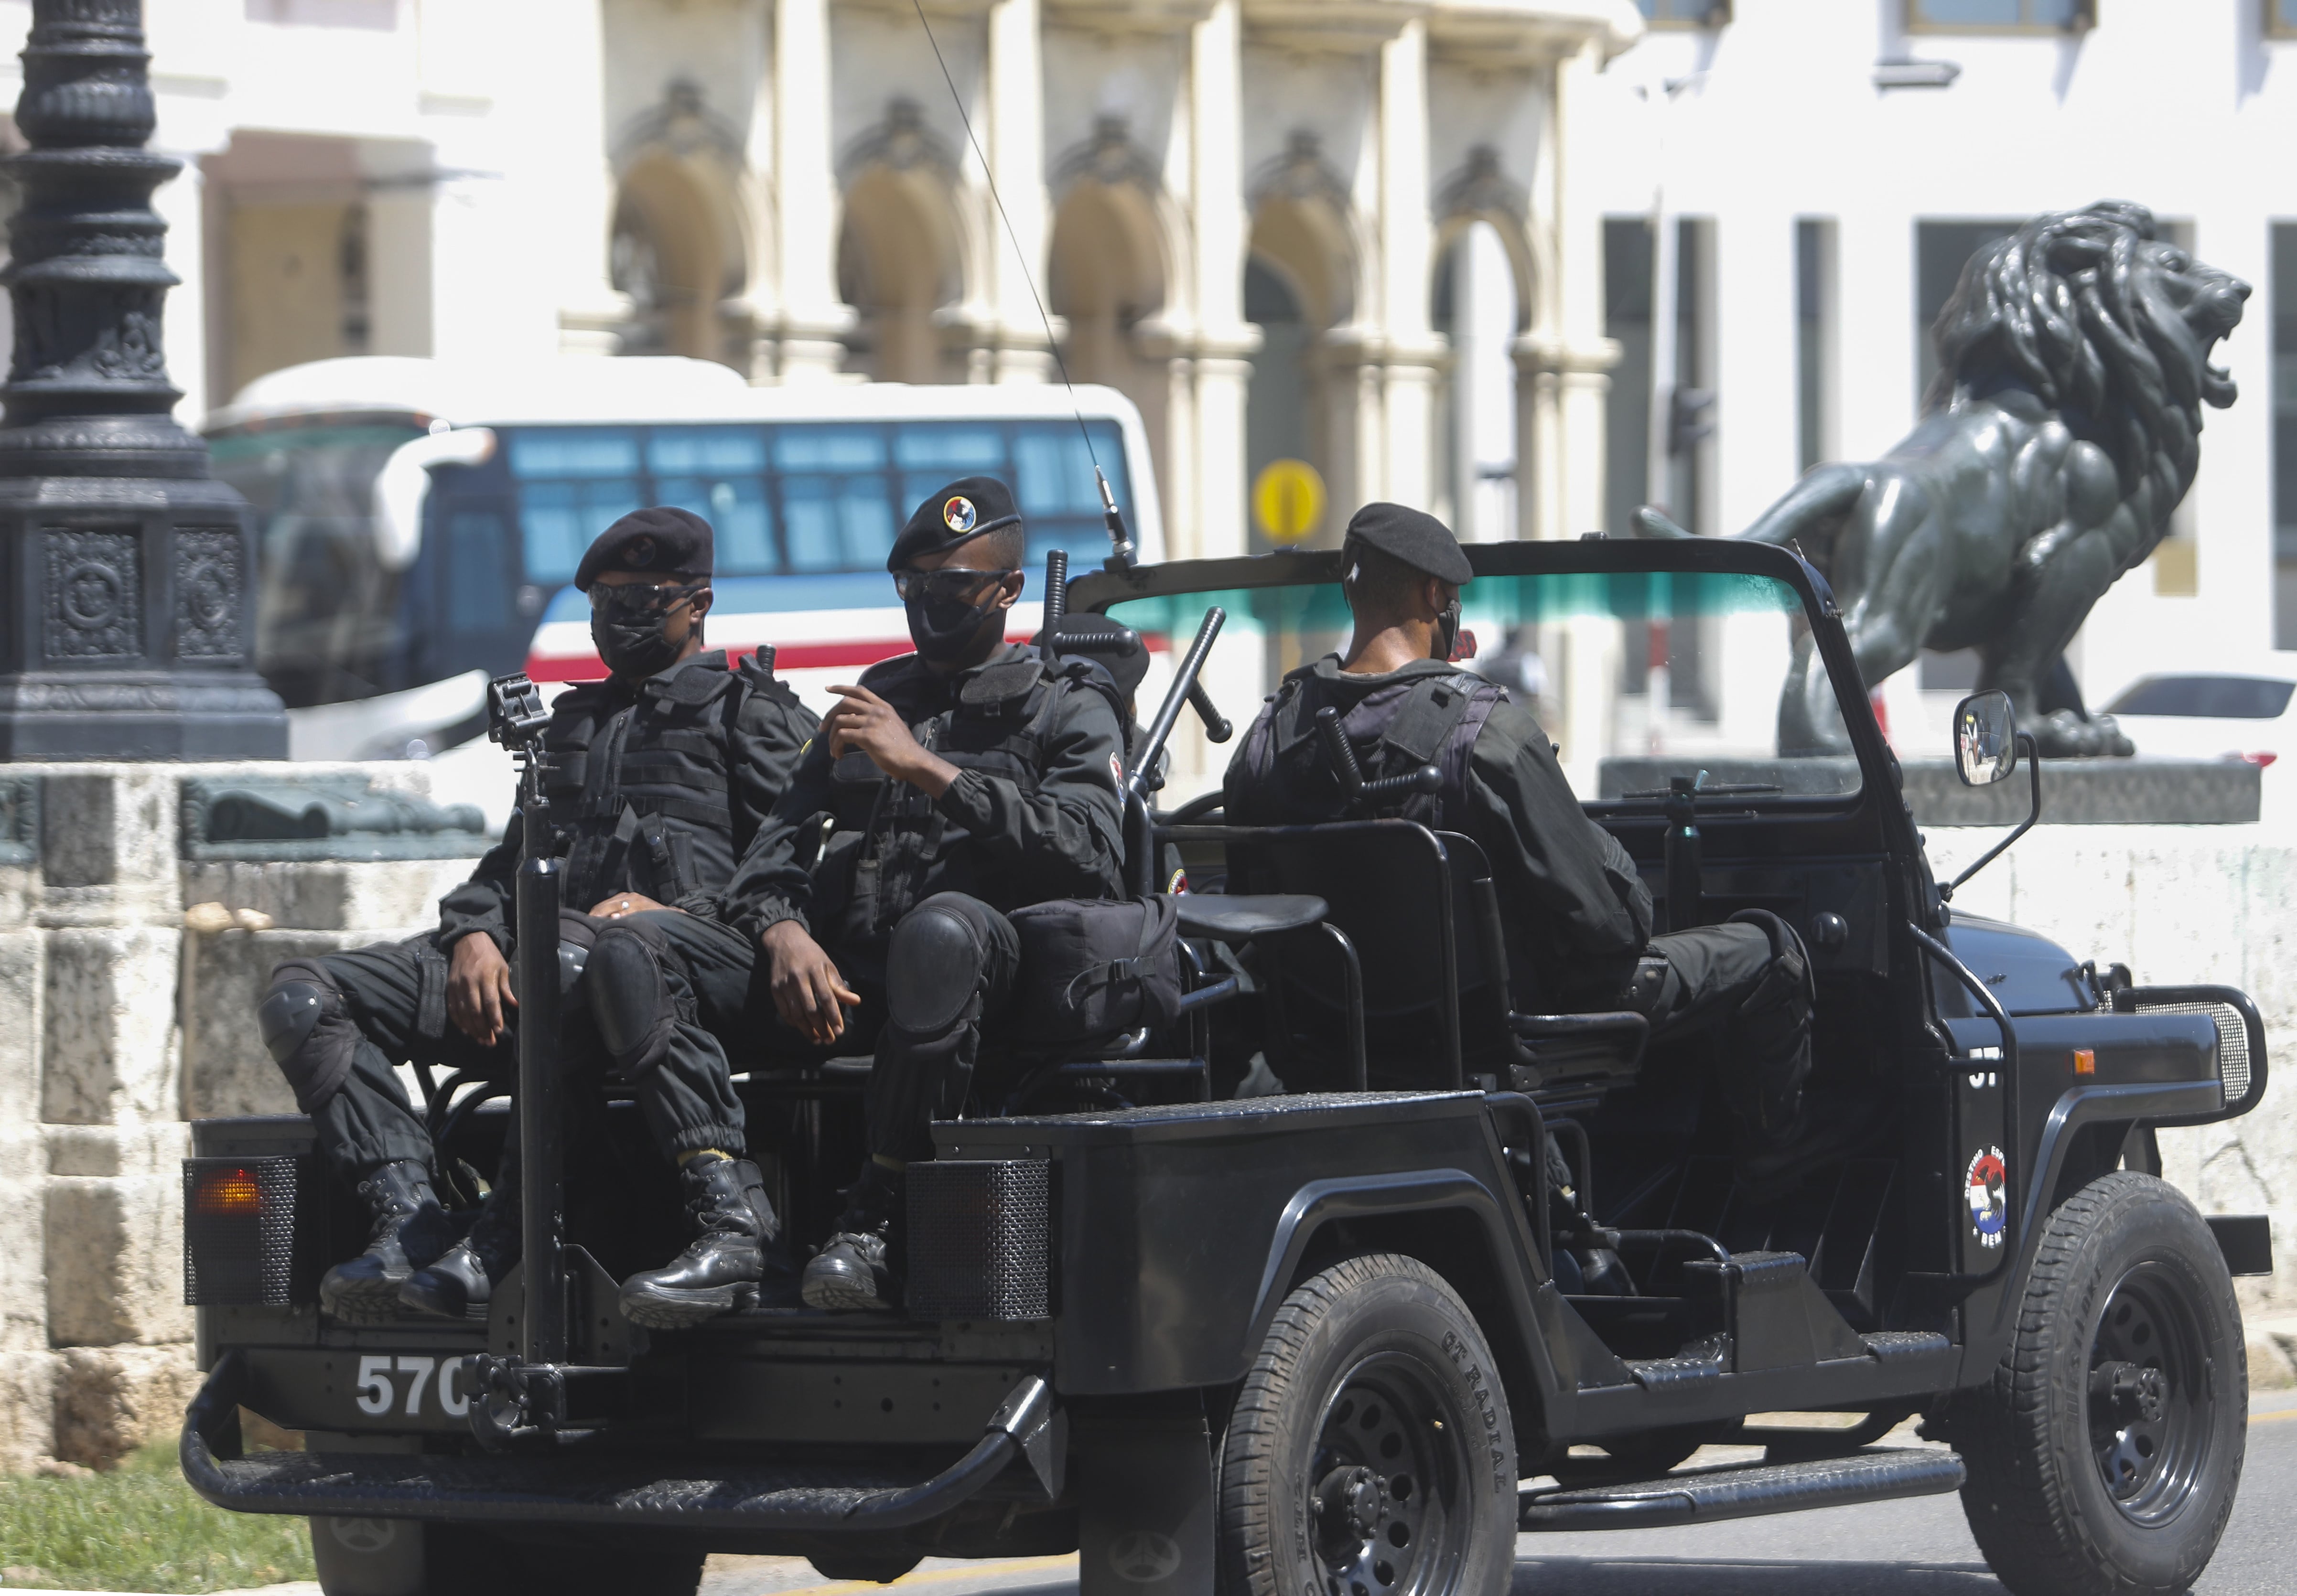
2064 428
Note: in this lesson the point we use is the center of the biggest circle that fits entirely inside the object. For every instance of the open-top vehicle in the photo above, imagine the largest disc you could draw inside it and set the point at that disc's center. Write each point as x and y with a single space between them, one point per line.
1318 1340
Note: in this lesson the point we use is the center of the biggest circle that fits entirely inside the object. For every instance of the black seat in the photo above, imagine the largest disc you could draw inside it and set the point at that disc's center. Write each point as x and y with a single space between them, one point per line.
1421 912
1239 918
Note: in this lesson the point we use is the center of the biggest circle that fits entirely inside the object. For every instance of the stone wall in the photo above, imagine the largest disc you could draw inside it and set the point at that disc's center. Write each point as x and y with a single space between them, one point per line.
118 1024
2178 904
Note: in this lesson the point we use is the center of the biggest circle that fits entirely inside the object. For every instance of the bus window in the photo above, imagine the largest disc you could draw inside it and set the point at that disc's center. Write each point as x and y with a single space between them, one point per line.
326 627
574 482
934 453
841 521
718 474
1060 502
478 585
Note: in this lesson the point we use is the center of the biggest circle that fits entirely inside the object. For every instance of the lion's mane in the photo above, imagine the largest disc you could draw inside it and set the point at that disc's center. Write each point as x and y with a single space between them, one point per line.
2068 307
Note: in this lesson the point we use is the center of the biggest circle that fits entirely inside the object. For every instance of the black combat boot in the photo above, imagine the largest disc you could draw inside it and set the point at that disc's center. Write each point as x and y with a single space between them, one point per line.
461 1284
737 1258
850 1273
410 1229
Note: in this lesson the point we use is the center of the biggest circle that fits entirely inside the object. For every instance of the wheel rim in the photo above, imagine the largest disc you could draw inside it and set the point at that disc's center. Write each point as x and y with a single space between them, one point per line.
1386 1487
2149 1397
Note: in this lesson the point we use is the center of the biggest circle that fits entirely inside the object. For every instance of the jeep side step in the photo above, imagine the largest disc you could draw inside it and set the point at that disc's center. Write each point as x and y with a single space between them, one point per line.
1744 1490
562 1487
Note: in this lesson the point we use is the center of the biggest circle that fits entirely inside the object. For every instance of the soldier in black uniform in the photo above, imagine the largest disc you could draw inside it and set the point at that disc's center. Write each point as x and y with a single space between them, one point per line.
1576 915
658 777
970 779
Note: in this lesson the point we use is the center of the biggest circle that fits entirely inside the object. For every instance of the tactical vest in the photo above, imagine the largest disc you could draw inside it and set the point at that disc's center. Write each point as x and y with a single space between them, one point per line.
640 795
886 846
1283 775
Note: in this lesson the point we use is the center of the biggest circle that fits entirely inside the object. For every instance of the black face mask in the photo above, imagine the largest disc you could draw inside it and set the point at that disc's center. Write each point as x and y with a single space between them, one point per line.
1447 632
944 630
631 634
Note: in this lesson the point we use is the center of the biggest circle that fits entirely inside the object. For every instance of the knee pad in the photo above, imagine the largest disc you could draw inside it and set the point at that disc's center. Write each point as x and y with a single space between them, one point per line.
629 998
308 1028
933 968
1773 1029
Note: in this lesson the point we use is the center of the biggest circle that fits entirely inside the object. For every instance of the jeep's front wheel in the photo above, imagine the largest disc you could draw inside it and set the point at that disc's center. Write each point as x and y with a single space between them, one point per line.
2105 1456
1370 1451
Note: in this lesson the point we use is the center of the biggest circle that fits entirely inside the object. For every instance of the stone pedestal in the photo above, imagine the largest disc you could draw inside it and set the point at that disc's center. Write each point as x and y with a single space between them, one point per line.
141 907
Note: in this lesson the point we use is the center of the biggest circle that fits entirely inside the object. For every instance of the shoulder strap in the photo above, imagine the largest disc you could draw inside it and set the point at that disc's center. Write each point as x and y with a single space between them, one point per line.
1424 722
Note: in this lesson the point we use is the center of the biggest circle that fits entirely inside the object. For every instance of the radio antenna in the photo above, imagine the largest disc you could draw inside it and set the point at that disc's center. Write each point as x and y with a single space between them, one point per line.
1121 551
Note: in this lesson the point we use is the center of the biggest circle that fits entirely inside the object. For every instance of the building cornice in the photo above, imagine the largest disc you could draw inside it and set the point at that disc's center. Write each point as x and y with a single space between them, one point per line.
1328 27
1493 34
1121 17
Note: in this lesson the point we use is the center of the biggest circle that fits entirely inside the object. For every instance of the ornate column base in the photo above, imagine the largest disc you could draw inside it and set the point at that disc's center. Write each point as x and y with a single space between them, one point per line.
125 600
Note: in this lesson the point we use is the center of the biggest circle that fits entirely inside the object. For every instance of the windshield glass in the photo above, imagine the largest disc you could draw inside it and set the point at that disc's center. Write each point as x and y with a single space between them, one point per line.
327 617
1637 677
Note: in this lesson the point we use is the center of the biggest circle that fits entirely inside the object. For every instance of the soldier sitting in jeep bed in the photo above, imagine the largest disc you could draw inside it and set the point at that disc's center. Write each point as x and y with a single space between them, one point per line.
1319 1340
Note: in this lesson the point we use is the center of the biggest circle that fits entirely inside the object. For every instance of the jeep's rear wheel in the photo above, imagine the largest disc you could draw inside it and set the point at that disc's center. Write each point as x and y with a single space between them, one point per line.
2105 1456
1370 1451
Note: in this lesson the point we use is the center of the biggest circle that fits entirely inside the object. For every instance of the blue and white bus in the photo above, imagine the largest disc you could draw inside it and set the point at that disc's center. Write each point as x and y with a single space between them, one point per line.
419 523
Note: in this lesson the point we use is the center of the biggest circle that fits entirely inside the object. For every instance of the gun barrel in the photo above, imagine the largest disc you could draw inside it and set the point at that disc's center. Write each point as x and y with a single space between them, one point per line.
1160 730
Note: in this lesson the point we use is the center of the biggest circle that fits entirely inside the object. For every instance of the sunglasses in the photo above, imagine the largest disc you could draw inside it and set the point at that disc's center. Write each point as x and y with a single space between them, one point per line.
942 586
642 598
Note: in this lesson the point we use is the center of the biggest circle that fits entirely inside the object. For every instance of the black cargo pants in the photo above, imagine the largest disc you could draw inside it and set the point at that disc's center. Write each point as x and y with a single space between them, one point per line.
387 1004
1747 982
664 989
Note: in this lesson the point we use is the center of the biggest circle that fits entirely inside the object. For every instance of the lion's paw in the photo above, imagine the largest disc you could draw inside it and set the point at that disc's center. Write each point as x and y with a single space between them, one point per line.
2065 734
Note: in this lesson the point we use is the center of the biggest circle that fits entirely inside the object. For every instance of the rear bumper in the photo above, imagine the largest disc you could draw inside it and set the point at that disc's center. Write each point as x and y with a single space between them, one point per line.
568 1486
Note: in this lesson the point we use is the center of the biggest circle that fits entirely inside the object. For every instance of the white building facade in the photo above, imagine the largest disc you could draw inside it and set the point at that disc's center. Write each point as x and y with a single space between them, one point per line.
792 187
1821 213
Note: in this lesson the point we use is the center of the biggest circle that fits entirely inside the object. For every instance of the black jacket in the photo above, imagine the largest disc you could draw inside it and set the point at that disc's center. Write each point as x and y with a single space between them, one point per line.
1035 813
654 789
1576 913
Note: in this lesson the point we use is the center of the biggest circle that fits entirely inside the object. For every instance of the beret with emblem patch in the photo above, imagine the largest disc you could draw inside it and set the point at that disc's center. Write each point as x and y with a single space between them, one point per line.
1415 537
957 513
660 541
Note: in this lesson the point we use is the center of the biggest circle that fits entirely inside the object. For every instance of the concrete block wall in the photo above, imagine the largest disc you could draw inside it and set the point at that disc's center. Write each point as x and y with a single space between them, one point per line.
2178 904
117 1027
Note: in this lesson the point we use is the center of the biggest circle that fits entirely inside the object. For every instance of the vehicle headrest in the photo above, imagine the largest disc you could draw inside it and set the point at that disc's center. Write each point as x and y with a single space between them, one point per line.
1113 646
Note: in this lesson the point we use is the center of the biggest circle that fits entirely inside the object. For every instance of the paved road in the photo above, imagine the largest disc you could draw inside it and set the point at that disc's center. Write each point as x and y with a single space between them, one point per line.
1918 1548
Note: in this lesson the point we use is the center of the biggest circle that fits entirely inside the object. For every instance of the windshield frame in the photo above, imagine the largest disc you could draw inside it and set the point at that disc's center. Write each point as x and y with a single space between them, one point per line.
1099 590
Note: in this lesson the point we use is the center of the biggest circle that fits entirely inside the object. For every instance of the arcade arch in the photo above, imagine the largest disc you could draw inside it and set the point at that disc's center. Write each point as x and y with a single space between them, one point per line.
901 249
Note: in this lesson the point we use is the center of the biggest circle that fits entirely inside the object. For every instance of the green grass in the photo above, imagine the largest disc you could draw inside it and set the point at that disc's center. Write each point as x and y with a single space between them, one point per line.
140 1528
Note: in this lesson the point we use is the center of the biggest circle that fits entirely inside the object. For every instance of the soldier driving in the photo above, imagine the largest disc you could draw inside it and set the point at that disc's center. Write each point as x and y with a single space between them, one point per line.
1576 916
659 776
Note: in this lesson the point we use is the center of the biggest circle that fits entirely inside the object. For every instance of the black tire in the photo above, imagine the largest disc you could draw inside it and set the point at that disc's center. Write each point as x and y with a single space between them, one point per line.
465 1561
865 1567
2104 1455
1370 1451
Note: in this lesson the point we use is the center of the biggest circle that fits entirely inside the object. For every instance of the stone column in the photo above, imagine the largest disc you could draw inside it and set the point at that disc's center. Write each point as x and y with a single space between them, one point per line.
808 324
579 214
26 1367
1016 148
127 573
1572 493
1413 359
1211 523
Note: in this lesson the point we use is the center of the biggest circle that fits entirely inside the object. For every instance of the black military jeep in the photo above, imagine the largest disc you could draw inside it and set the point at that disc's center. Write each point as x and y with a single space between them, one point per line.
1363 1266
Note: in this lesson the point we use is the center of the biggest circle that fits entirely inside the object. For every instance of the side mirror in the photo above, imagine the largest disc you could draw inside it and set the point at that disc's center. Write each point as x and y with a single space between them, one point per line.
1984 739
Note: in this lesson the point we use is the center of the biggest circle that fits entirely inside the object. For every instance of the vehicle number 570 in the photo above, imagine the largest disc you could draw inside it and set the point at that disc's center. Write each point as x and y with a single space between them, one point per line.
387 1384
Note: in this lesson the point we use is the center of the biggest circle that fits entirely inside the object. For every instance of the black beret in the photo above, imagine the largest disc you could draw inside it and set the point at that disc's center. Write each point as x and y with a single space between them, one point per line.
1112 644
660 541
1415 537
957 513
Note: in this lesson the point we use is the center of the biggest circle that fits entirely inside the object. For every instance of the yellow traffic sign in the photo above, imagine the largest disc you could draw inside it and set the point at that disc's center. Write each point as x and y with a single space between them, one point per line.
1288 500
